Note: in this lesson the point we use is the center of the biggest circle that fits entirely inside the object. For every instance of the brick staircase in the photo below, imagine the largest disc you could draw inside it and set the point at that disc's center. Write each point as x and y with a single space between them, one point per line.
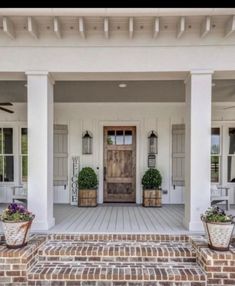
121 260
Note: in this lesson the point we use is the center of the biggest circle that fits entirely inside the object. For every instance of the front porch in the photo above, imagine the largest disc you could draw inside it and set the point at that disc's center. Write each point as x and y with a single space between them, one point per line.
119 218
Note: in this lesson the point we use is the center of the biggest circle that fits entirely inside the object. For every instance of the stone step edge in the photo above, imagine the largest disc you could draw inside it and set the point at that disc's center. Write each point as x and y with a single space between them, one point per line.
112 274
119 261
119 237
110 253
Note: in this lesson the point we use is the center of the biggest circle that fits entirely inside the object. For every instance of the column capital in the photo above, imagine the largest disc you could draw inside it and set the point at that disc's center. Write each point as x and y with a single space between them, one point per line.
198 72
40 73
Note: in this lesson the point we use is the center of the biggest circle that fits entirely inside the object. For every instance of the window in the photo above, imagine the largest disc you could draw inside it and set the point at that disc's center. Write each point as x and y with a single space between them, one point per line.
24 155
6 155
215 155
119 137
231 156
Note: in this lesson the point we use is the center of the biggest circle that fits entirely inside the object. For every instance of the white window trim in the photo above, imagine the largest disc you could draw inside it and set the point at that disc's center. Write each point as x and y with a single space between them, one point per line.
220 154
20 155
9 125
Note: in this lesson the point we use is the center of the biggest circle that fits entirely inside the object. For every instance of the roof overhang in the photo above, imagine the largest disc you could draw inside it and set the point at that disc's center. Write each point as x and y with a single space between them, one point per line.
109 12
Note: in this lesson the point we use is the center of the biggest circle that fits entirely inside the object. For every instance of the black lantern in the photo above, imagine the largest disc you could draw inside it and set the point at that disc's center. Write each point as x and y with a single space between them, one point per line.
152 143
86 143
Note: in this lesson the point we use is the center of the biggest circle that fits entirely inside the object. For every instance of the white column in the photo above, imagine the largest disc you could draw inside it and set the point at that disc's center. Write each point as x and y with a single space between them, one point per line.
40 149
197 147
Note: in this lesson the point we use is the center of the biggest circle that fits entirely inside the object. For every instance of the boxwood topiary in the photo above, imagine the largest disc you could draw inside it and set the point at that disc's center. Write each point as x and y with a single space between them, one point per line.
87 179
152 179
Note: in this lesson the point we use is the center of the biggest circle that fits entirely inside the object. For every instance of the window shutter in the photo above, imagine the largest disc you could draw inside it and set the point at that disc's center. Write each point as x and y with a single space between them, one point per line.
178 154
60 155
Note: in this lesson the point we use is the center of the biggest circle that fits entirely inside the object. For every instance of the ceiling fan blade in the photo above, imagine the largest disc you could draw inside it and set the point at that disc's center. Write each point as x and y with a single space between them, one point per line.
7 110
6 103
229 107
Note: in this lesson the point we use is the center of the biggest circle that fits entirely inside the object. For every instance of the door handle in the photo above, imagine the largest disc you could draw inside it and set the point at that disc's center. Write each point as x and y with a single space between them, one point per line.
104 173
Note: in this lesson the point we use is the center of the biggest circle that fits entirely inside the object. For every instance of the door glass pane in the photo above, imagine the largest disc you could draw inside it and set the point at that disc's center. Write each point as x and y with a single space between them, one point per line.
231 140
111 137
1 168
128 137
231 169
215 168
8 169
24 141
1 139
119 137
8 140
215 141
24 168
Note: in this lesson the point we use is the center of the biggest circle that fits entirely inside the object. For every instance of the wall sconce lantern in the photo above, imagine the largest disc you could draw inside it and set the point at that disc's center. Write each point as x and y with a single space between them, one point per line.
153 142
87 143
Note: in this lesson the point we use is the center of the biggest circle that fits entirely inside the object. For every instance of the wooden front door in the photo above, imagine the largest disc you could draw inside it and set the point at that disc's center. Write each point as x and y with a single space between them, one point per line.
119 164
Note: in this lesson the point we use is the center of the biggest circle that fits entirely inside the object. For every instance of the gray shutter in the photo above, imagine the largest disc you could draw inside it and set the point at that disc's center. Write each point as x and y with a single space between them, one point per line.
60 155
178 154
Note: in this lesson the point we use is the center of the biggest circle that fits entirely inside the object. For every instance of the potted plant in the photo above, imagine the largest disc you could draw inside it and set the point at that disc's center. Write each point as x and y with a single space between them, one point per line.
87 185
218 228
16 220
152 194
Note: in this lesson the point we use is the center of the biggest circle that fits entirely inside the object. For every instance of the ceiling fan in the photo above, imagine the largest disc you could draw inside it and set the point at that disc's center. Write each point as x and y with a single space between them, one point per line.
228 87
6 109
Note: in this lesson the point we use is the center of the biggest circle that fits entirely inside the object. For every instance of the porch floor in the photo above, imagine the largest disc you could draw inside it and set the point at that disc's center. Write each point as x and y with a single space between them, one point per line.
118 218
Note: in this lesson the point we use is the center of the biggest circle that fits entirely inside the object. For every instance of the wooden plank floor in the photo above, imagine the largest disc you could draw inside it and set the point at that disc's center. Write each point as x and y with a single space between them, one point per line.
118 218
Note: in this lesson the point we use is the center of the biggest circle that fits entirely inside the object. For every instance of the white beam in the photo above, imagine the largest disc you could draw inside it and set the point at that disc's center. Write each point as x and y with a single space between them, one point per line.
156 27
115 12
205 26
33 27
8 27
82 27
106 28
131 27
57 27
181 27
230 26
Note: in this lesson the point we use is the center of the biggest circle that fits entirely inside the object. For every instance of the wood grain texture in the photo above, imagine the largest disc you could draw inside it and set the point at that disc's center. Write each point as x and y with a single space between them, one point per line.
152 198
87 198
120 164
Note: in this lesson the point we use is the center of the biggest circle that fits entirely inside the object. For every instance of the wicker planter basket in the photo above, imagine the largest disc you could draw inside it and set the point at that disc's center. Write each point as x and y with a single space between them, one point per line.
16 233
152 198
218 234
87 198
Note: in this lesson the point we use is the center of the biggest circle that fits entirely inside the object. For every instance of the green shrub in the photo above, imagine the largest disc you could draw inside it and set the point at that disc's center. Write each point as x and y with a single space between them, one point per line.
87 179
152 179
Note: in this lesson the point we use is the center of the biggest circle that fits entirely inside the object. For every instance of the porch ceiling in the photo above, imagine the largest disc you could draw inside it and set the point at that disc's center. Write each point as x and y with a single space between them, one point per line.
109 91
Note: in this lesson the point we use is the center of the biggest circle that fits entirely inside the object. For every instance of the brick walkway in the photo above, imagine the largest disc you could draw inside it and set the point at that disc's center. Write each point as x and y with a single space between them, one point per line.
120 260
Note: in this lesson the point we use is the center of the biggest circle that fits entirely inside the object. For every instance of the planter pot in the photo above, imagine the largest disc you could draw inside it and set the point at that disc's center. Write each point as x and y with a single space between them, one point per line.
152 198
16 233
87 198
218 235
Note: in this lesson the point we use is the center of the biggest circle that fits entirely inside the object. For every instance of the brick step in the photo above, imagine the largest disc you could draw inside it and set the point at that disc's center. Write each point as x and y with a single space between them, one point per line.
121 237
96 272
117 251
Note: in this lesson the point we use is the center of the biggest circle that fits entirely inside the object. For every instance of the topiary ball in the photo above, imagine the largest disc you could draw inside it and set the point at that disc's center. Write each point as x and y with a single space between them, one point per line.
152 179
87 179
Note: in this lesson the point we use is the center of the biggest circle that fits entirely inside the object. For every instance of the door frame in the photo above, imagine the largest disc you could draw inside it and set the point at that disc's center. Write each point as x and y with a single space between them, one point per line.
137 125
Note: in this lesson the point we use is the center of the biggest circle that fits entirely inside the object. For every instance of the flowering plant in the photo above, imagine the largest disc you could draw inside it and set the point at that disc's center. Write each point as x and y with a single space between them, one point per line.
216 214
16 213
